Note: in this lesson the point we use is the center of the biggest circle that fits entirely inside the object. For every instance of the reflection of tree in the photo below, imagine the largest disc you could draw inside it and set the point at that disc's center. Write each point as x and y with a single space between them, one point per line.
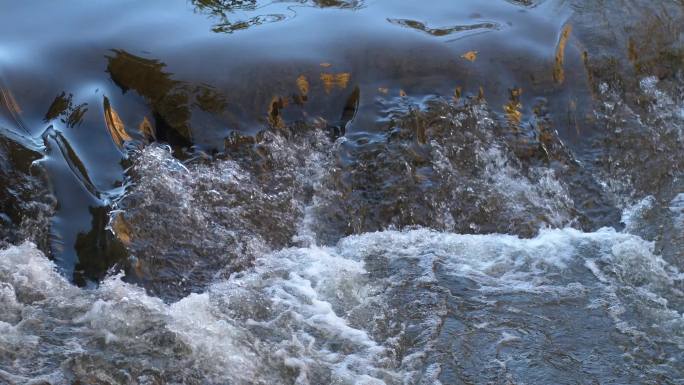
171 100
98 250
221 9
476 27
346 4
525 3
63 107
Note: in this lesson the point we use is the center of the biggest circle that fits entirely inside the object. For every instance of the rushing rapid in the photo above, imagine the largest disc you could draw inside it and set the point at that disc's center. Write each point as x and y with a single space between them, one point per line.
388 307
343 192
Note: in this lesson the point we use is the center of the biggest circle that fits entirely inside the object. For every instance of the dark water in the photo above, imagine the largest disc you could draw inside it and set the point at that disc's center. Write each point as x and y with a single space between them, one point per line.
342 192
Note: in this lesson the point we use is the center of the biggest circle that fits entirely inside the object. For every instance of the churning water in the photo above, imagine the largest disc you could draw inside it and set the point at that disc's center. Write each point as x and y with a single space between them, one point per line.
342 192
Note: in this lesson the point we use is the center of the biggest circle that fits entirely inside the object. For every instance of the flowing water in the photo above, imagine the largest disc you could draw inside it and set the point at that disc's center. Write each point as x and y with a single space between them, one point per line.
342 192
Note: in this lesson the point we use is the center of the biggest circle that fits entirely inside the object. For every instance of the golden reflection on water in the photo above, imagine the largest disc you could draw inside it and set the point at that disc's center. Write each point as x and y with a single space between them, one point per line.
115 125
513 108
558 70
333 80
471 56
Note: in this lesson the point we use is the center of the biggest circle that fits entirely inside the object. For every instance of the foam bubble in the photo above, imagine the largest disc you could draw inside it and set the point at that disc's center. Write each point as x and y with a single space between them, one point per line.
373 309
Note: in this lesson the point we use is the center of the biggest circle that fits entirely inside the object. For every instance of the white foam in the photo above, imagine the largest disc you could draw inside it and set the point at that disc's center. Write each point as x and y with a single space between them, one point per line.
632 215
519 193
677 210
317 314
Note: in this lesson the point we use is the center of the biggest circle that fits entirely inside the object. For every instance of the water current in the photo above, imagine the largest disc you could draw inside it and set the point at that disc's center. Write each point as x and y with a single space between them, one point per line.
342 192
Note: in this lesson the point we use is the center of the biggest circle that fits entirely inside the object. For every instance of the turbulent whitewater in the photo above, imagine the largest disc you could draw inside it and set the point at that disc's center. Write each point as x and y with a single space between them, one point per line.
245 286
388 307
212 192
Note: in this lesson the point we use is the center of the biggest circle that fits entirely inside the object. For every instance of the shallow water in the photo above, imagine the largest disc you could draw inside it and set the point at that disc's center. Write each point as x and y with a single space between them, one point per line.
388 307
320 192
